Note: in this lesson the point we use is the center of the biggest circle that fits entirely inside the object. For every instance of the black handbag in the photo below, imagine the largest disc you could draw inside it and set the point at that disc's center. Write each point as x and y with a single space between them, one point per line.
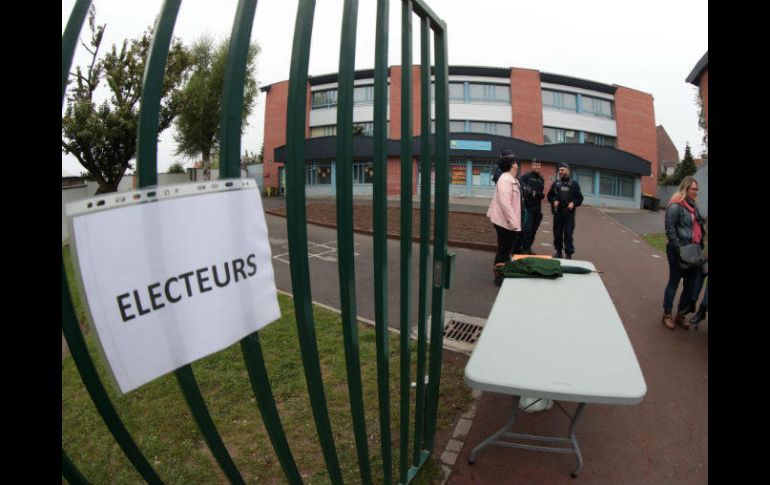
690 256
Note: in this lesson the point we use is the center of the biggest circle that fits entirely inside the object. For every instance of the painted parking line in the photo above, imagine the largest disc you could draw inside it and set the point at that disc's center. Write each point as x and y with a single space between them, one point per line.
324 251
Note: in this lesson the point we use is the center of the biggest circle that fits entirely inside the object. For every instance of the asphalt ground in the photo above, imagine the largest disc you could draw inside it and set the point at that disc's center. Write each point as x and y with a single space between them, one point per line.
662 440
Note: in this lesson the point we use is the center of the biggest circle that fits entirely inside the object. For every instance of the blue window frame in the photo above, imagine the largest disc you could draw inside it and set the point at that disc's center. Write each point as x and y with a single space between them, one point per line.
473 92
559 100
362 96
601 108
363 173
611 185
561 135
600 140
318 173
585 178
324 99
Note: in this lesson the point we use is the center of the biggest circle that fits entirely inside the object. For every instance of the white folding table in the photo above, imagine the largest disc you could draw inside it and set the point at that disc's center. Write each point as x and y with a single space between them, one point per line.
558 339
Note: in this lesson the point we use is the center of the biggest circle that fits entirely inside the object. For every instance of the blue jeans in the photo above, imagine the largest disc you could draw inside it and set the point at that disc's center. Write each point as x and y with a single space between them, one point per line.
690 276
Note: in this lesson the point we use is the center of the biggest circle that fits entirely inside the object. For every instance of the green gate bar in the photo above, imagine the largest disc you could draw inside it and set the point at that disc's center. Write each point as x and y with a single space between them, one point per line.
70 326
230 124
70 471
406 228
422 312
440 230
380 225
95 388
147 168
230 121
345 251
263 392
69 40
296 224
152 91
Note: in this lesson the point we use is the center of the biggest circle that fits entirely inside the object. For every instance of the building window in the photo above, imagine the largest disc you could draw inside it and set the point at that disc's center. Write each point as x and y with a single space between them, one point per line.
327 130
467 92
600 140
318 173
488 93
365 128
363 95
458 173
559 100
324 99
559 135
363 173
502 129
482 173
457 92
586 181
596 107
466 126
616 186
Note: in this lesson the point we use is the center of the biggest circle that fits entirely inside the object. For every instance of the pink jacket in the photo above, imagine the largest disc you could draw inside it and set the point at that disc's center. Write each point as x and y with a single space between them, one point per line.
505 209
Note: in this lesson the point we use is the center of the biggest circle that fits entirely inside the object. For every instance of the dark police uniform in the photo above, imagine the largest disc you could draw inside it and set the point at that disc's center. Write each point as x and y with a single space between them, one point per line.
533 193
565 191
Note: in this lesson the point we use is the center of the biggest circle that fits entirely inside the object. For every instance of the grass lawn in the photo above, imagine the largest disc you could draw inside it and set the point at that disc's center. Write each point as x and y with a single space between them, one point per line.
160 422
658 241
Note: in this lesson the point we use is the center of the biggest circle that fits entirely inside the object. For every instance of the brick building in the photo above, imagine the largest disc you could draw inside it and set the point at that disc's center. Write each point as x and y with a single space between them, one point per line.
699 76
606 133
668 155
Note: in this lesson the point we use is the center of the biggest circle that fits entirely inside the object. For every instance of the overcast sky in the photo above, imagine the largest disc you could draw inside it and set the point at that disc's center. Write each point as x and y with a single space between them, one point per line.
650 46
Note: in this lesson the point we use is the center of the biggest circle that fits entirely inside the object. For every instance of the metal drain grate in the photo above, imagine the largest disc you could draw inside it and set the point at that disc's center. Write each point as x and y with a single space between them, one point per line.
462 331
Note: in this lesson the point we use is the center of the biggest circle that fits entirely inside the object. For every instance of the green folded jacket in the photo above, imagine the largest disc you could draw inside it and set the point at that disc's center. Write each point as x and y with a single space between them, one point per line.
538 268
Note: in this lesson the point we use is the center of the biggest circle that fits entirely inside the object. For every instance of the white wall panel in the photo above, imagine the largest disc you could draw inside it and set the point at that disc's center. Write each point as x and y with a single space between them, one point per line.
500 113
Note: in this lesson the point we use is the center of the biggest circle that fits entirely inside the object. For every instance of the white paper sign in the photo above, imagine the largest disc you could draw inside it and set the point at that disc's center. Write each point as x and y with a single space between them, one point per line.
175 279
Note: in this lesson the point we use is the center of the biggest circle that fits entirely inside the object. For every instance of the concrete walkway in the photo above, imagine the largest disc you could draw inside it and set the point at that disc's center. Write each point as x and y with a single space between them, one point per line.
664 439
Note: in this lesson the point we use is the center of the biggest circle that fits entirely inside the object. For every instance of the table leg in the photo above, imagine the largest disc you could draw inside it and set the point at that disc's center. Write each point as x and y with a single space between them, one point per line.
573 439
503 430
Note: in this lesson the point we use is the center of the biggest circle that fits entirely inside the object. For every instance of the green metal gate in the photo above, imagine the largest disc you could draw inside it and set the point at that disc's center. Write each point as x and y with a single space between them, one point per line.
433 276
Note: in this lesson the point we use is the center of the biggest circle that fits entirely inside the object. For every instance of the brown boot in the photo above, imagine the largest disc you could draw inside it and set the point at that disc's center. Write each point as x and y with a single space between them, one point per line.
668 321
680 320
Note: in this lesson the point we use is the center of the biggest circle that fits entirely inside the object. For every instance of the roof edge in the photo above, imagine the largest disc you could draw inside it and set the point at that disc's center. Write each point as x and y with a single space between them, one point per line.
694 77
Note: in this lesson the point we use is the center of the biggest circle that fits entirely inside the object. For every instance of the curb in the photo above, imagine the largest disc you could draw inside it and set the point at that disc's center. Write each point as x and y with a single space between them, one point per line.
457 244
457 441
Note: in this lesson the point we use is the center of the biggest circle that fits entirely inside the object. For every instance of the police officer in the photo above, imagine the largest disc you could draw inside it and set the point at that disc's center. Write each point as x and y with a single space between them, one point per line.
533 193
564 197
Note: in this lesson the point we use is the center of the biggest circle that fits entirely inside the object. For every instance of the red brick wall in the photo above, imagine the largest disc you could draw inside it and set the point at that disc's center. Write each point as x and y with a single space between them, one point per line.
395 102
526 105
276 107
637 133
666 148
394 176
394 132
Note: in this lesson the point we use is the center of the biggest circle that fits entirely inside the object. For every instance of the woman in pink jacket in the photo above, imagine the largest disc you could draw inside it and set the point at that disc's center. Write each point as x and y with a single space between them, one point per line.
505 210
